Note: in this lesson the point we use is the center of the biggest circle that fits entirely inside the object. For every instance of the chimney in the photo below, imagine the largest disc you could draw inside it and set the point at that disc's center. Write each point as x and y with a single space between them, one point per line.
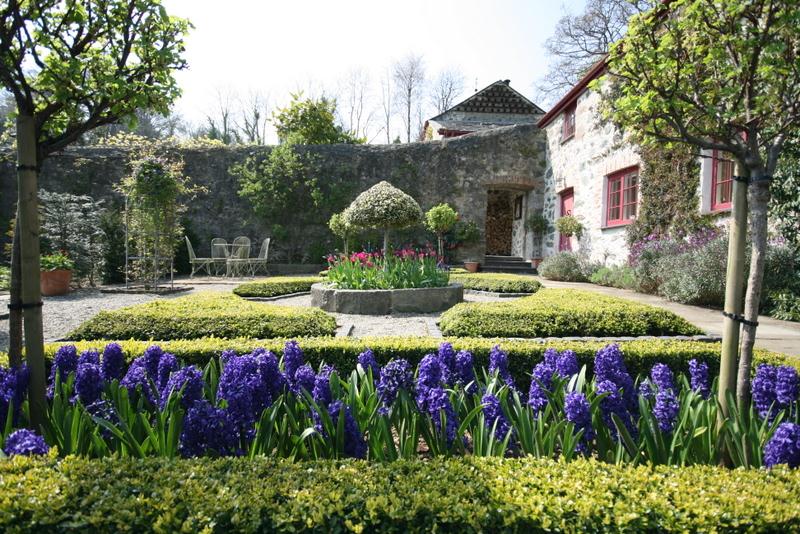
507 82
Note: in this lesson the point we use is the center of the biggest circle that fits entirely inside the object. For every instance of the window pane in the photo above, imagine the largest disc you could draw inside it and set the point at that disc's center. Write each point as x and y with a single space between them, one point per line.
725 194
630 196
613 213
630 211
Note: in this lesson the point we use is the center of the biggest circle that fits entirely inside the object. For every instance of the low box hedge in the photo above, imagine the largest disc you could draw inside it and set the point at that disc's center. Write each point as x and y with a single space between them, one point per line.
563 312
457 494
204 315
342 352
498 282
277 286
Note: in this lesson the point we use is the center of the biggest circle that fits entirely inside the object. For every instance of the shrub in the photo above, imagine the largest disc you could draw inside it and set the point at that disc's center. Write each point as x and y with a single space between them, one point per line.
454 494
621 277
564 266
784 306
696 276
383 207
202 315
562 312
276 286
497 282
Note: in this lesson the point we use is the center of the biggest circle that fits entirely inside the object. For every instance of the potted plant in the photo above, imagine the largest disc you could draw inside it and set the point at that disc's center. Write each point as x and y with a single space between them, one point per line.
569 226
56 274
471 266
537 224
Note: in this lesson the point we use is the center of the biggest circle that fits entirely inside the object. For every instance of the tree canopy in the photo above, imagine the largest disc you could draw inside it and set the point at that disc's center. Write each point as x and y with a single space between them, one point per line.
309 121
383 206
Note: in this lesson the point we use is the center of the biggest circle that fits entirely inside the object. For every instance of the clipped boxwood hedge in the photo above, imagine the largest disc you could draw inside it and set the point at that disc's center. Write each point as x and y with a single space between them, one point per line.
498 282
203 315
453 495
276 286
563 312
342 352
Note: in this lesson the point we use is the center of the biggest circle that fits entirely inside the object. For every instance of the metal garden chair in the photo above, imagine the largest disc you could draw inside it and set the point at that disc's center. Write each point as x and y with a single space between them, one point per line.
219 254
239 257
261 260
198 264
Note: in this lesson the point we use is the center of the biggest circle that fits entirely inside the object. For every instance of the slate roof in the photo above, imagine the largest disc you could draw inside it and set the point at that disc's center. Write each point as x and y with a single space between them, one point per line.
499 98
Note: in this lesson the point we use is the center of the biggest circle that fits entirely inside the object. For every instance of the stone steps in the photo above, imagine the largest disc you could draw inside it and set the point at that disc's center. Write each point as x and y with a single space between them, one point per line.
506 264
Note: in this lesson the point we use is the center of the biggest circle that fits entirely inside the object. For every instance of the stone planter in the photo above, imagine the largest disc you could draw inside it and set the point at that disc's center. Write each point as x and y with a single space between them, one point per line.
386 301
471 266
54 283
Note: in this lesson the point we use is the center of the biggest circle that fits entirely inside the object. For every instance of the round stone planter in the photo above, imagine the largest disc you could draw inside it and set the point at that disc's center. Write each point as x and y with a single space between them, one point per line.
386 301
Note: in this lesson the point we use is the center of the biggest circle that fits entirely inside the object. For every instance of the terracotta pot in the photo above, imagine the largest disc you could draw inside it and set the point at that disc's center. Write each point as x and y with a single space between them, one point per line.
535 262
471 266
55 282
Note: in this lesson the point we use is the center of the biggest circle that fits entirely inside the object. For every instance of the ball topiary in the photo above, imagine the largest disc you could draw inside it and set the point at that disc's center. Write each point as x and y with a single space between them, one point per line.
383 206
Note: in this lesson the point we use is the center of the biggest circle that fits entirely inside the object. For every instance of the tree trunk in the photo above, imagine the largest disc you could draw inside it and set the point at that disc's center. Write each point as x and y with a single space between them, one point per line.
15 299
27 208
737 234
385 241
759 203
440 244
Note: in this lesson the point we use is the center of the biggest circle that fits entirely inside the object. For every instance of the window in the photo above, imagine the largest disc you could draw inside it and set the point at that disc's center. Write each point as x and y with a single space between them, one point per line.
721 182
622 200
568 126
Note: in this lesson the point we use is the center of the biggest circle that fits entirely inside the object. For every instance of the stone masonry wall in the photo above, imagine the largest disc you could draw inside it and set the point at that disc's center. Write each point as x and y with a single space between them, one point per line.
458 171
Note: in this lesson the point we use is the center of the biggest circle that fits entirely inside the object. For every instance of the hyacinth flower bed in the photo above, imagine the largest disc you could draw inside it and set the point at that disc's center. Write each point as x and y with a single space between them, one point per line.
402 269
259 405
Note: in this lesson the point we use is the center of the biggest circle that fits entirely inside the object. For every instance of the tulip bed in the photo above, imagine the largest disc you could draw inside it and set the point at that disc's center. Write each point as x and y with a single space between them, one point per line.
562 312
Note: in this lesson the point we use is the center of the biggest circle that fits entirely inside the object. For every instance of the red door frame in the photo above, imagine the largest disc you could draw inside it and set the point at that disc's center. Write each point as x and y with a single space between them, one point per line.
567 197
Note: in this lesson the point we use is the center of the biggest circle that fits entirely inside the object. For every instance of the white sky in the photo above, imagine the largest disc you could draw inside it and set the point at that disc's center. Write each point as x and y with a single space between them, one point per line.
243 46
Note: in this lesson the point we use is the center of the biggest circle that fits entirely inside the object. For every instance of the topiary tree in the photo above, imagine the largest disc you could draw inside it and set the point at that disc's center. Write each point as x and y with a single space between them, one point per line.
440 219
383 207
341 228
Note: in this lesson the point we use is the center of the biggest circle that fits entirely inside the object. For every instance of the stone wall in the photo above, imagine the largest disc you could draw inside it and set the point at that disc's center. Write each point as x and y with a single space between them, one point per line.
582 163
458 171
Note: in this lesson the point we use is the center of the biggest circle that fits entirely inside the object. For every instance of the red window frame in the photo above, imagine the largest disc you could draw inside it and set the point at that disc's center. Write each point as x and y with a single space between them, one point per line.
568 122
622 206
721 182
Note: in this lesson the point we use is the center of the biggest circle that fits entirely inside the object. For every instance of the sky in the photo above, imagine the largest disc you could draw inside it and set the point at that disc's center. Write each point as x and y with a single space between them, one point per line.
244 47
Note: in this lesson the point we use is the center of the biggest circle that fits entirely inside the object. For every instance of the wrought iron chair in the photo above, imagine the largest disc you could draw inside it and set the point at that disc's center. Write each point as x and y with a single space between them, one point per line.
239 256
198 264
254 264
219 254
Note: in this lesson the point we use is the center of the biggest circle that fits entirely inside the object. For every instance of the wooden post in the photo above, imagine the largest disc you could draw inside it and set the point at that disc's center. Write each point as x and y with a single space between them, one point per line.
28 211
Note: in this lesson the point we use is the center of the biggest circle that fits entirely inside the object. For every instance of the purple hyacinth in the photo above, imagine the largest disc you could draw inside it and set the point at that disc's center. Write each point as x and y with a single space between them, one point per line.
150 360
609 365
303 380
698 376
293 358
786 385
437 404
567 364
762 388
26 443
541 385
646 389
113 363
136 379
447 359
226 356
271 376
89 356
465 372
498 363
13 387
167 365
322 386
429 375
242 387
576 411
613 404
64 362
354 444
784 446
367 362
104 410
666 410
208 431
190 380
494 418
89 383
395 376
661 376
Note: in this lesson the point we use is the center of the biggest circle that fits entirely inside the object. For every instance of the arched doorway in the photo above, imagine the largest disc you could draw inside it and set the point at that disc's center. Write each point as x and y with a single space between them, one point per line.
499 222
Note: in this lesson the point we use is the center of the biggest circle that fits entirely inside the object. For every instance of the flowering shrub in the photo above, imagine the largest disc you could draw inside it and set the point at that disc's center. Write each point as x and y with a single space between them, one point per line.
404 268
260 404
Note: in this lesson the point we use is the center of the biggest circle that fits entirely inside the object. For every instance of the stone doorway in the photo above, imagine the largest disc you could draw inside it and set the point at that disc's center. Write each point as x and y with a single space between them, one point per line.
499 222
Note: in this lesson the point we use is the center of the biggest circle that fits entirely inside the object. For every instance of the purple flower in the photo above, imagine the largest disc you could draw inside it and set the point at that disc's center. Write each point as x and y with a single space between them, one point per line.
786 385
271 376
498 363
166 366
395 376
367 361
646 389
661 376
89 356
13 387
226 356
242 387
113 364
437 404
293 358
25 442
136 380
494 418
567 364
784 446
609 365
354 444
576 410
465 372
447 359
89 383
304 378
429 375
762 388
207 431
613 404
698 374
541 385
150 360
104 410
666 410
190 380
322 386
64 362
